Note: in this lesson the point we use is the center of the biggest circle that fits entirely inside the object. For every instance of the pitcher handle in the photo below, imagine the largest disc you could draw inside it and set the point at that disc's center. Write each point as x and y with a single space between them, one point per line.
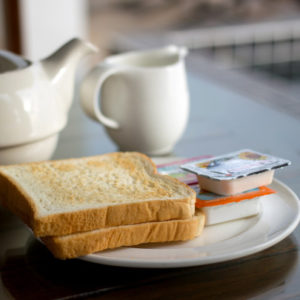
90 90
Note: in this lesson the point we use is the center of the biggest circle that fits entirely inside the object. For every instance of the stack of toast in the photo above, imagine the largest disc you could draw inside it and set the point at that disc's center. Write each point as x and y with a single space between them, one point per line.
85 205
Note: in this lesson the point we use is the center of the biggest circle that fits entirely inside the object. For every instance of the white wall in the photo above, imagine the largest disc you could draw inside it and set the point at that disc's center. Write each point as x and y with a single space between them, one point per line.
47 24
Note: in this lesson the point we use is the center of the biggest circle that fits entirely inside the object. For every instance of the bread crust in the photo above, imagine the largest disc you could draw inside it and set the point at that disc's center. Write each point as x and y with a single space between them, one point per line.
71 246
123 214
16 199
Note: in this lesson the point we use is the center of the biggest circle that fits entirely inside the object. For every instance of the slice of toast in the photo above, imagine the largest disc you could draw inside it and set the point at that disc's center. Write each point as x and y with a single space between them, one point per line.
74 195
79 244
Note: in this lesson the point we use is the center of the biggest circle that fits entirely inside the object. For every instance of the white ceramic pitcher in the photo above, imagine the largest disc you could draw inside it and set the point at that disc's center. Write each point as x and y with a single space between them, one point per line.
141 98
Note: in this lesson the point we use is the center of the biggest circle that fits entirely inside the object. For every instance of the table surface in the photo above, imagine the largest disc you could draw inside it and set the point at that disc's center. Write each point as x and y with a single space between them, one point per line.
221 120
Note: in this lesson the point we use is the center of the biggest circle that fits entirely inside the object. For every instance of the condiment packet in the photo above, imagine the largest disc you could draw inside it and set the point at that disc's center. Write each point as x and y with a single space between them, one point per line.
235 165
173 169
204 198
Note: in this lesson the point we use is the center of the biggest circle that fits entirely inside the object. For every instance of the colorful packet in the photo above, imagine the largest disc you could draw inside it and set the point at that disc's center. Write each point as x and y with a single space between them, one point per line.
173 169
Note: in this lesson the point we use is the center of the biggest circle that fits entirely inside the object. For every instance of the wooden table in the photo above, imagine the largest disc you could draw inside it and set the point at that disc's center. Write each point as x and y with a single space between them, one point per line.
221 120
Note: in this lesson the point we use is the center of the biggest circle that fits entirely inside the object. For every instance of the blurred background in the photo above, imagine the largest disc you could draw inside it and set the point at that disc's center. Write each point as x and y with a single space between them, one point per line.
252 46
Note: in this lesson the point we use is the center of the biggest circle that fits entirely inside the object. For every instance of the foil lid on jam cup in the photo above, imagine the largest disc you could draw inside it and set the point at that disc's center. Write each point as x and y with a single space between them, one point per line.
235 165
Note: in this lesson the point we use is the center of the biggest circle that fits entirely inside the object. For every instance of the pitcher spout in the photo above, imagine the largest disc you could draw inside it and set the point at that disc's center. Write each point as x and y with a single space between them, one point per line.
61 66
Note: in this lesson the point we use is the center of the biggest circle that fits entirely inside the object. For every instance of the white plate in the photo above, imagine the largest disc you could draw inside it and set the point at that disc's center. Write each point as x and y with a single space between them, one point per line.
218 243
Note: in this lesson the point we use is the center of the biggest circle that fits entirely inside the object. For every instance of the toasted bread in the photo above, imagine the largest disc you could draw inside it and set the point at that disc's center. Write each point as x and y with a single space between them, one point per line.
79 244
75 195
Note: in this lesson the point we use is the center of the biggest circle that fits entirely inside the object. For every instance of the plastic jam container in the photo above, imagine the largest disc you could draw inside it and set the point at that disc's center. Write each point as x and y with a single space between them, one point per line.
235 172
235 186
